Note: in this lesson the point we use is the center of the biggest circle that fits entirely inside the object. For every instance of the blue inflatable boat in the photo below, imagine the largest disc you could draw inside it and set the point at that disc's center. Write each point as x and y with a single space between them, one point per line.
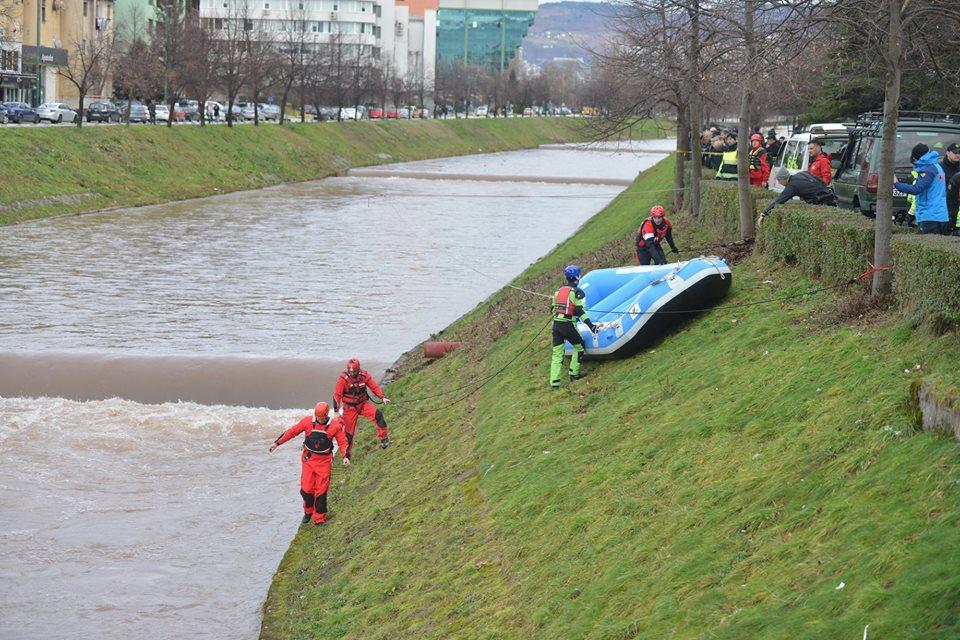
635 306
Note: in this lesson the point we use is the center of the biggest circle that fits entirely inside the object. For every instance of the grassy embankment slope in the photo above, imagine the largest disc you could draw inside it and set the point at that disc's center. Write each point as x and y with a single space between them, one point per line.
49 171
723 485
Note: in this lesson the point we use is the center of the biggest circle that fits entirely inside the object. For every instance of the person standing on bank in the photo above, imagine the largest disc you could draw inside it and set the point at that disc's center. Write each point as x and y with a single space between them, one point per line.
930 189
316 459
651 234
568 308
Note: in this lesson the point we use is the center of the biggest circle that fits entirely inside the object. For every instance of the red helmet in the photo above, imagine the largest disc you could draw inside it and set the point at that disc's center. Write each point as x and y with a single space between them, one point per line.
756 138
321 412
353 366
657 210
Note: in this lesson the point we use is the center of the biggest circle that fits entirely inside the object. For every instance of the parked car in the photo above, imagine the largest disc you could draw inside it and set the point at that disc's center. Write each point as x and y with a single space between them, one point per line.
527 111
56 112
18 112
212 106
270 112
138 113
103 112
324 114
482 111
376 113
403 113
794 156
190 109
349 113
857 179
161 113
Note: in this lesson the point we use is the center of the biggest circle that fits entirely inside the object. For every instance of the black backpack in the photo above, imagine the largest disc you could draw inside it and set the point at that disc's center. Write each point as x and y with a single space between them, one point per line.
318 442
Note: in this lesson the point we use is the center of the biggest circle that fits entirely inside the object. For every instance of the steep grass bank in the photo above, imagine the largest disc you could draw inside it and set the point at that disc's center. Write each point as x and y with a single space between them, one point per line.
721 485
57 170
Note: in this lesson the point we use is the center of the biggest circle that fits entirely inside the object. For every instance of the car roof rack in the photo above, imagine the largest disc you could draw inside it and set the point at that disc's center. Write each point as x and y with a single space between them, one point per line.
873 117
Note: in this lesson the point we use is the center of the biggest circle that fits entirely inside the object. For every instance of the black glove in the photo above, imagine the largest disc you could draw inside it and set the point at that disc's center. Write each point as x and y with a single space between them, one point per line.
593 328
675 250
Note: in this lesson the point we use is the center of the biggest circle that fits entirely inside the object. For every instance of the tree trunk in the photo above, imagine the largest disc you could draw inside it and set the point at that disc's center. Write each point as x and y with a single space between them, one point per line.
683 144
747 208
283 100
693 110
170 118
883 225
230 99
80 102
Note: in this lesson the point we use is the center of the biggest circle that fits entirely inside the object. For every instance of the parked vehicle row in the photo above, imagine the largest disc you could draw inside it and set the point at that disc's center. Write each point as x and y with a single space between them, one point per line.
854 151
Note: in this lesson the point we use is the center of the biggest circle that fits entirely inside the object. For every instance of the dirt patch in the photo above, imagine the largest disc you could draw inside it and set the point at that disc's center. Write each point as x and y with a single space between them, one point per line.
736 252
858 308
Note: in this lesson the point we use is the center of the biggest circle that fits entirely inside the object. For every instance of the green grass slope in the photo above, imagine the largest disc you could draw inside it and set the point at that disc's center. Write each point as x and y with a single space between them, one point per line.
723 484
49 171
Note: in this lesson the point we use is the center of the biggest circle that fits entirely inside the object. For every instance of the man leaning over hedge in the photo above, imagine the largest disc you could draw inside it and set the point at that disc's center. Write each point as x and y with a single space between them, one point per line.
803 185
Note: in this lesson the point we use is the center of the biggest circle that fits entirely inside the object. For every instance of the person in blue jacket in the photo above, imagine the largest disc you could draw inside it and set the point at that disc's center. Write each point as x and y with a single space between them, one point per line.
930 189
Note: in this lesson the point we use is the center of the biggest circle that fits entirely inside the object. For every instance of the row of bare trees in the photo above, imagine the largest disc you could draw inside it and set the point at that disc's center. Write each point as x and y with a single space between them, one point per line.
563 83
692 58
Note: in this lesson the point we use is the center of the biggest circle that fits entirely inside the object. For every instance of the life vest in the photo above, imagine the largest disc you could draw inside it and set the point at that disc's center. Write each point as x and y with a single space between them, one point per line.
659 233
355 391
755 157
728 166
564 303
317 441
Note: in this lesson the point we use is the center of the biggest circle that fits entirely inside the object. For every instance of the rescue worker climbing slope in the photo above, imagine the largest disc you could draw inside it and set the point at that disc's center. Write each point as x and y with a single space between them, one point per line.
568 304
320 432
351 399
651 234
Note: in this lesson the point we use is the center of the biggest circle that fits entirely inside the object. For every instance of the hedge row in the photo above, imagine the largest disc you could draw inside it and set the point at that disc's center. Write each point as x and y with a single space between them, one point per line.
926 278
836 244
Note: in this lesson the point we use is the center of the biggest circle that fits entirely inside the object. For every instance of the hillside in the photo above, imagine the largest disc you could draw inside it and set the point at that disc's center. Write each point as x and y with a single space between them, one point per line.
568 30
758 474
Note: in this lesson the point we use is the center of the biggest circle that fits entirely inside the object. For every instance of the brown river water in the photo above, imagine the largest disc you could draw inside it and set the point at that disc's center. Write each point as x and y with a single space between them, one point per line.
148 357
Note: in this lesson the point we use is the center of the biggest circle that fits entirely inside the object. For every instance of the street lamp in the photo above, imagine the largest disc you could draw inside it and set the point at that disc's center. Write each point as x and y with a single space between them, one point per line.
39 90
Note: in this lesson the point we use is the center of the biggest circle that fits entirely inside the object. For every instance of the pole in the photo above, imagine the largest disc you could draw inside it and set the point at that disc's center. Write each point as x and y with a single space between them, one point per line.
503 28
466 55
39 90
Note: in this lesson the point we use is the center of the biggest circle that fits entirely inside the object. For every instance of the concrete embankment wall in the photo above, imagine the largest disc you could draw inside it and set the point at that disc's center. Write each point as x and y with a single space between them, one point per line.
57 170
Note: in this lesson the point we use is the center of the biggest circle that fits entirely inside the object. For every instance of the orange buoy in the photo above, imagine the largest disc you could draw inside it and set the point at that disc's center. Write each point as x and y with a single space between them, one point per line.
437 349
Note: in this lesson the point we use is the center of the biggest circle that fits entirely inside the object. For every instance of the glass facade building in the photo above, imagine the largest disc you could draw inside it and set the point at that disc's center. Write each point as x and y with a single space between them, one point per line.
488 37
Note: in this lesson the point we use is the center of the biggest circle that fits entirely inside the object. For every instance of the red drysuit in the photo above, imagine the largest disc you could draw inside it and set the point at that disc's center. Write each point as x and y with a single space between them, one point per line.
351 394
315 467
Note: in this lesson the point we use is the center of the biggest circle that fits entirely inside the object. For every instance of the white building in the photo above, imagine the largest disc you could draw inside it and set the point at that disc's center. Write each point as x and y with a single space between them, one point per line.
382 29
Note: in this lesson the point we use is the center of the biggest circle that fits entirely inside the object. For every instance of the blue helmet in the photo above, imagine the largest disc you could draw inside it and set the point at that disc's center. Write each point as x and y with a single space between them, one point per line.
572 272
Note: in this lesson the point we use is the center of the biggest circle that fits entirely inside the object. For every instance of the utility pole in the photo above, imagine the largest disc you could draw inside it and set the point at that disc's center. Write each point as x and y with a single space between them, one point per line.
503 28
39 91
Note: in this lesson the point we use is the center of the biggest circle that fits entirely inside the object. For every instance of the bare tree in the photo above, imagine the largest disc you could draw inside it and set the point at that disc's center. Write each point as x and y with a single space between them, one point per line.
261 61
138 73
230 52
292 59
200 67
169 45
89 65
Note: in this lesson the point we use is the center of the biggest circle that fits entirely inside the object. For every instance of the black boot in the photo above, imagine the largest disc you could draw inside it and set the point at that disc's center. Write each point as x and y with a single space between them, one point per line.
385 443
306 518
576 376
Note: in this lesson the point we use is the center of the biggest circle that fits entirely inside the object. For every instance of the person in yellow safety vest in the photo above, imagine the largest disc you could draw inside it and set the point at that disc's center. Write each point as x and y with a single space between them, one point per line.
912 199
568 303
728 161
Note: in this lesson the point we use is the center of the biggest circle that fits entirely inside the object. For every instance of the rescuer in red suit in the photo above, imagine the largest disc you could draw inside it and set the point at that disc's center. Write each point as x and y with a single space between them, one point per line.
317 457
652 232
351 399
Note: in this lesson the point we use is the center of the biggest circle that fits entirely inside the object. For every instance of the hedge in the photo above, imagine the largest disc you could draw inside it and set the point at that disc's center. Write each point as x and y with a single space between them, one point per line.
927 278
827 243
836 244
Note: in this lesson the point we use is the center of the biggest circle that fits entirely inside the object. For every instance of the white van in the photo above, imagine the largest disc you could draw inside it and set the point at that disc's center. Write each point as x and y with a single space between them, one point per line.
795 157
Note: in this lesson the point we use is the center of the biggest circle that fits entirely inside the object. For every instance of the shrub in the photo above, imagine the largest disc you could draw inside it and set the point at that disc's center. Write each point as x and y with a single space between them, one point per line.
719 208
927 278
828 243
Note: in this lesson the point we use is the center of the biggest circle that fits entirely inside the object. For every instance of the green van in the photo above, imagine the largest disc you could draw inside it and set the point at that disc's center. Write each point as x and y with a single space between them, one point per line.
856 180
